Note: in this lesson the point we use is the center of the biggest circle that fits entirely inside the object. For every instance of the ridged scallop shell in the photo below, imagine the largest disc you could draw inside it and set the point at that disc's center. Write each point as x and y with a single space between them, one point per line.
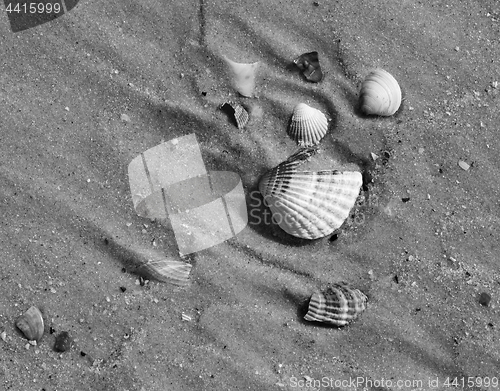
308 63
239 113
309 204
308 125
380 94
31 324
338 305
243 76
165 270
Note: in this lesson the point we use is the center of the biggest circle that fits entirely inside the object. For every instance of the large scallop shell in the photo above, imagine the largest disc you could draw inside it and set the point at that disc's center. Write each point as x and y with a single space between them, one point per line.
308 204
308 125
31 324
308 63
243 76
338 305
380 94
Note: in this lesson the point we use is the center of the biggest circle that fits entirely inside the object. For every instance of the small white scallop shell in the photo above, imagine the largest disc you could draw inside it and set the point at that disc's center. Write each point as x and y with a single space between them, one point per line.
243 76
308 125
31 324
306 204
338 305
380 94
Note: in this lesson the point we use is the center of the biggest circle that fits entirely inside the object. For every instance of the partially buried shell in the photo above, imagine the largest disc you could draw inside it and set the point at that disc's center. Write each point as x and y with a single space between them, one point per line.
380 94
309 204
243 76
165 270
308 63
338 305
31 324
308 125
238 112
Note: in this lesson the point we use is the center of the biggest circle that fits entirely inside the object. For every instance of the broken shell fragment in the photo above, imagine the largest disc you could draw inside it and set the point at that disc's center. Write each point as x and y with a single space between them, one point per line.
238 112
165 270
308 125
338 305
380 94
463 165
31 324
307 204
243 76
308 63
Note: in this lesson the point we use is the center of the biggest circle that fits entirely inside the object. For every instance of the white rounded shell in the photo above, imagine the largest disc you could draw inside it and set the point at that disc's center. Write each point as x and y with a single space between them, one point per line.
307 204
308 125
380 94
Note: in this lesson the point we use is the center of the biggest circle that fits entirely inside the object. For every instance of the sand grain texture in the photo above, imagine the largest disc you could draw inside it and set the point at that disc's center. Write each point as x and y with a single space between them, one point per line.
68 226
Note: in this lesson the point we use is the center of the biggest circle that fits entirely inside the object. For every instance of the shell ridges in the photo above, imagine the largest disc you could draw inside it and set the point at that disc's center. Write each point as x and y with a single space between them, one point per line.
338 305
307 204
380 94
308 125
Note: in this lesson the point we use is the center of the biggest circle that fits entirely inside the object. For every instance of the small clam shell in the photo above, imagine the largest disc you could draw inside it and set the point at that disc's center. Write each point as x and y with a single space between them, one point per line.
338 305
308 125
239 113
243 76
307 204
308 63
165 270
380 94
31 324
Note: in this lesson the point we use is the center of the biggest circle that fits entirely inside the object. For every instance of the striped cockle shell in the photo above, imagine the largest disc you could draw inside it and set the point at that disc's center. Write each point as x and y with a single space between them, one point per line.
308 204
380 94
308 125
239 113
31 324
338 305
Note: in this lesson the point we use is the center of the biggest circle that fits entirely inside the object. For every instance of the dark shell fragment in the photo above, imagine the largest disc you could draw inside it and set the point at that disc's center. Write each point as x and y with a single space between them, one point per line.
308 63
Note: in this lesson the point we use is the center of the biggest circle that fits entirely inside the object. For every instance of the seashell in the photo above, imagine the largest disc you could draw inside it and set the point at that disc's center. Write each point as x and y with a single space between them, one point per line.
31 324
380 94
308 204
243 76
308 125
308 63
239 113
165 270
338 305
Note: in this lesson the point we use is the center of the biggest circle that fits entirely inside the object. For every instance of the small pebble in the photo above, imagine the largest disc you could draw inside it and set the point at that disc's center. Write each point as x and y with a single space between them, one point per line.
374 156
63 342
123 289
3 335
484 299
125 117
